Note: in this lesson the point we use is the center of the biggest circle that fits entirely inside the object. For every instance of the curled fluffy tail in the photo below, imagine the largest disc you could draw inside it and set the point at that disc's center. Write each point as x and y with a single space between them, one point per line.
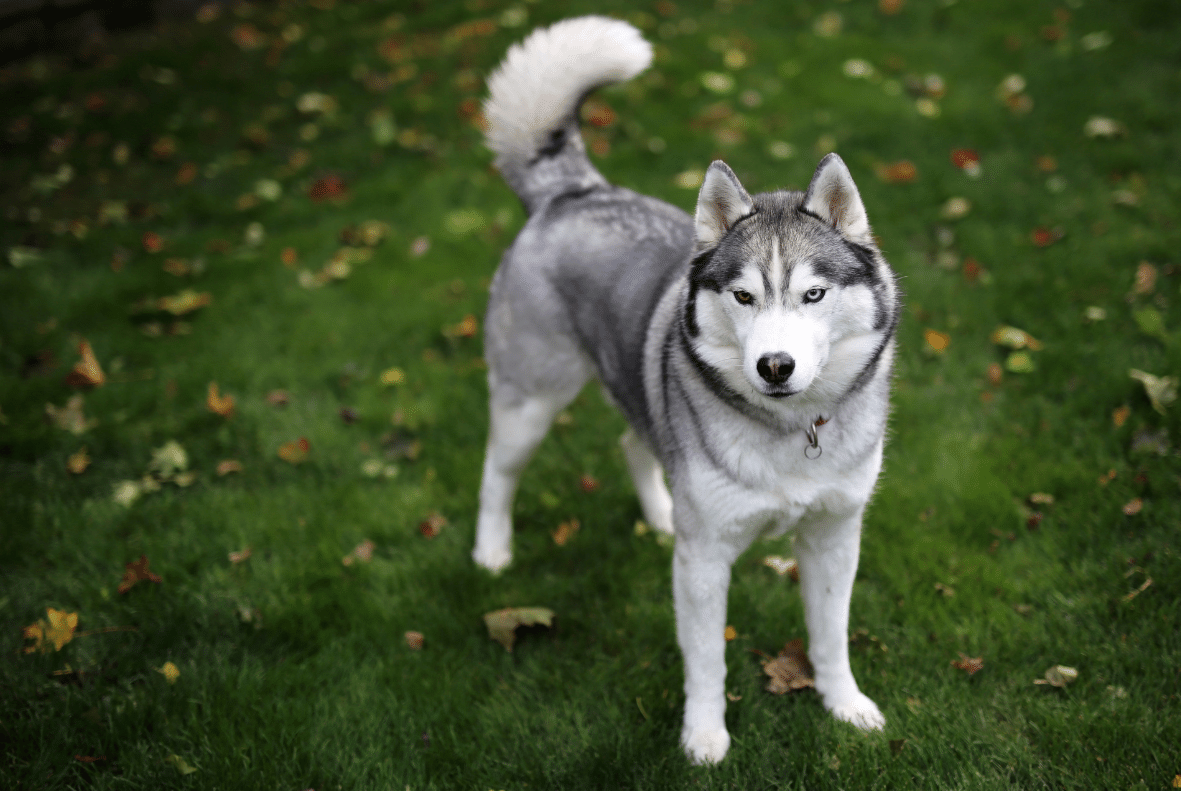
534 95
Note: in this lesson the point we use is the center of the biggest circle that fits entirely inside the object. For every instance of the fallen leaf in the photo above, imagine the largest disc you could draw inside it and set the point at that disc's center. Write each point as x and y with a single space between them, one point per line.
689 179
393 376
565 531
137 571
1133 506
955 208
1143 587
937 341
1013 338
1161 390
970 665
588 483
783 566
295 452
1020 363
1041 498
69 417
1147 440
1058 676
419 247
185 302
170 672
152 242
227 466
896 746
1120 415
241 556
790 671
432 525
730 634
1098 126
902 172
503 624
414 640
965 159
996 374
362 553
56 629
278 398
330 187
86 372
1044 237
168 460
219 404
1145 282
181 764
946 590
77 462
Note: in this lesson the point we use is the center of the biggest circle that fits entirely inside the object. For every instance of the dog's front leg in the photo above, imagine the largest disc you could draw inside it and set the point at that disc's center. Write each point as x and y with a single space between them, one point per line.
701 580
827 550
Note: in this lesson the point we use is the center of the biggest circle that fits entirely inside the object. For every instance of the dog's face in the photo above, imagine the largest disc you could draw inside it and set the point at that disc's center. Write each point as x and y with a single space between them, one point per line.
789 299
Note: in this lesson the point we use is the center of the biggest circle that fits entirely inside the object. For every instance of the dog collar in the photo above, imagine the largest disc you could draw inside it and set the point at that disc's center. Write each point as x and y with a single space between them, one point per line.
813 440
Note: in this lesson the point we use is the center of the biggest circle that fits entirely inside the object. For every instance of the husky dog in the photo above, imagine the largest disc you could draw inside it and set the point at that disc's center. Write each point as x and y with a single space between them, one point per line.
749 346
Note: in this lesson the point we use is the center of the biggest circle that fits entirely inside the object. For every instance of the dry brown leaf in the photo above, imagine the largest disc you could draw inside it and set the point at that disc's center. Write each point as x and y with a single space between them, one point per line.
1133 506
362 553
135 572
565 531
77 463
295 452
414 640
432 525
86 372
968 664
503 624
241 556
902 172
217 403
790 671
278 398
783 566
1120 415
588 483
227 466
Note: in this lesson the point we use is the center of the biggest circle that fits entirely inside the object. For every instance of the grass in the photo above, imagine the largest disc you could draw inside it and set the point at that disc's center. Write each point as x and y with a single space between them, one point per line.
293 668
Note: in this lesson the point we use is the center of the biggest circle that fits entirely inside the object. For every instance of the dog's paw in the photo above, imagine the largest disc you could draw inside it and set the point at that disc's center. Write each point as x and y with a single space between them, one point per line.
705 746
859 710
495 560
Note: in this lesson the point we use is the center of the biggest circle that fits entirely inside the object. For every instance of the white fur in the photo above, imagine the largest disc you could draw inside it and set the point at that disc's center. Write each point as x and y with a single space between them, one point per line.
531 90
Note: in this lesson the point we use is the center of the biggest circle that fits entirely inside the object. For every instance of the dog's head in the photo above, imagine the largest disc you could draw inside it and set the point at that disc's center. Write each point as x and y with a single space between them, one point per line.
789 299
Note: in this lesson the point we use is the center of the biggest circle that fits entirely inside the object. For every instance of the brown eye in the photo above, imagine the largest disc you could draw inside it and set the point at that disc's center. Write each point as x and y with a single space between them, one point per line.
743 297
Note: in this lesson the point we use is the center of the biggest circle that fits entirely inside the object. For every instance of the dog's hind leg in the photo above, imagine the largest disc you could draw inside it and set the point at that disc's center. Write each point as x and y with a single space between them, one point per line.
518 426
648 476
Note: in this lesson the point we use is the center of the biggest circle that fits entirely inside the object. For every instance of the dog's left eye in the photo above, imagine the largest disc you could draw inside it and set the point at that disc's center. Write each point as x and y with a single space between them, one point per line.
814 295
743 297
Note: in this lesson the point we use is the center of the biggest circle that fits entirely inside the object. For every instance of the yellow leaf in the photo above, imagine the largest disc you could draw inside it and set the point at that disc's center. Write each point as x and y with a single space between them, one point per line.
1013 338
170 672
565 531
730 634
393 376
185 302
295 452
181 764
502 624
56 629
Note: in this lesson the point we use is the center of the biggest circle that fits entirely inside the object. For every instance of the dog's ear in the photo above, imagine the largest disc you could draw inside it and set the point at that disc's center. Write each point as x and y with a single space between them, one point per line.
833 197
721 203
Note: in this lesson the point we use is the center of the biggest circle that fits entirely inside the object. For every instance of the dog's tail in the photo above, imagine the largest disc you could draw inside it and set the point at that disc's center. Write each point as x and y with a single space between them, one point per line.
534 96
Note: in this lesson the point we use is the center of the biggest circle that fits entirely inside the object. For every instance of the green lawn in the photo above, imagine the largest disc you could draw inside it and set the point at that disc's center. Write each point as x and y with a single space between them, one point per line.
254 157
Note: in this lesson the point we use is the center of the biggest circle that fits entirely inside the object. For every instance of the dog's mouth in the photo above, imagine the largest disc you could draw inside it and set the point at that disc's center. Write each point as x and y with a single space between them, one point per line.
779 392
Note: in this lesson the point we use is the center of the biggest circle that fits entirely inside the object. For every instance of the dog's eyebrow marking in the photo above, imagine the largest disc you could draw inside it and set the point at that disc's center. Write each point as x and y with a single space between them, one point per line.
778 280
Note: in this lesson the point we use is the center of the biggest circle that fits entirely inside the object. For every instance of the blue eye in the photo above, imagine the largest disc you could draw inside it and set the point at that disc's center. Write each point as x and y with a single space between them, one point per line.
814 295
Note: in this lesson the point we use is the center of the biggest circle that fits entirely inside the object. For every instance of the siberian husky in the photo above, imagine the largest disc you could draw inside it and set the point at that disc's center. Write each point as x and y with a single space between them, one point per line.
749 346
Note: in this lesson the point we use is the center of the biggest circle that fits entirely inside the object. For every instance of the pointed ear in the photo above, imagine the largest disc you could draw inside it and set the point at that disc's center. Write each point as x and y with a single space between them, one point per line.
721 203
833 197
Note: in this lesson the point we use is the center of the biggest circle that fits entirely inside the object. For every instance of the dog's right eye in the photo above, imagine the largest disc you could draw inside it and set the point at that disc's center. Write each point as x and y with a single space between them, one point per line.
743 297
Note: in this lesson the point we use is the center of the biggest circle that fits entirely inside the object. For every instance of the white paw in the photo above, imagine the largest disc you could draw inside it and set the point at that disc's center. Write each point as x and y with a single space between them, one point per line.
495 560
706 746
860 711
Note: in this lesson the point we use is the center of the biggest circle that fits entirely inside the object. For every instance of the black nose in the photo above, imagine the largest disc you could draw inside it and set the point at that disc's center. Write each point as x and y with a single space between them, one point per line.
776 368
